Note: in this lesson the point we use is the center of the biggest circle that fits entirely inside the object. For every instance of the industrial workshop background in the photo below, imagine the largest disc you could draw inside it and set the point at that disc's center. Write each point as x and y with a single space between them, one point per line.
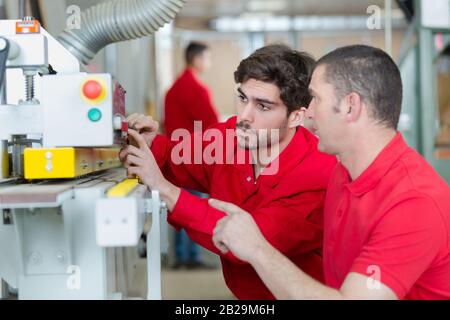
415 33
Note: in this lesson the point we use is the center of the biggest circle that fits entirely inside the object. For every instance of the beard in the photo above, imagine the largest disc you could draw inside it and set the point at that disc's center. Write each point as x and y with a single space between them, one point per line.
252 139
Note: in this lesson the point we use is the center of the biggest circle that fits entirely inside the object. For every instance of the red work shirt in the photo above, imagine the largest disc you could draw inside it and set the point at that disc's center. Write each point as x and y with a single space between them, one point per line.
187 101
287 205
391 224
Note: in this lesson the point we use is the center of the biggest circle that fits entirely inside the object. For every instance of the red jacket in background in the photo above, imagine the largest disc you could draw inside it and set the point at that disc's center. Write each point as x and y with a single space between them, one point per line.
187 101
286 205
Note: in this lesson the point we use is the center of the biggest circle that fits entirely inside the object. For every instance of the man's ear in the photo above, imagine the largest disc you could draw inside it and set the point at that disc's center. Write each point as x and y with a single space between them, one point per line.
296 118
353 107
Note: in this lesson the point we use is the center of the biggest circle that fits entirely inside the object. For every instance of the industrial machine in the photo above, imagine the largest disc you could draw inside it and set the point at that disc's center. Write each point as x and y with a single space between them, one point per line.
70 220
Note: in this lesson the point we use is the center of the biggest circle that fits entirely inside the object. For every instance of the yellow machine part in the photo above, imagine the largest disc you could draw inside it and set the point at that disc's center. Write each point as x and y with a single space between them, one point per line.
123 188
60 163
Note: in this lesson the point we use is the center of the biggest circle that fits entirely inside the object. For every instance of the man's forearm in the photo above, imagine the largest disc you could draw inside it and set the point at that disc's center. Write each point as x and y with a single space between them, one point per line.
285 280
169 194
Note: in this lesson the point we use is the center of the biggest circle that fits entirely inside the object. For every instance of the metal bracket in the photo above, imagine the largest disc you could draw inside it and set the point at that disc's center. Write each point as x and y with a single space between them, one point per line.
154 248
148 206
7 217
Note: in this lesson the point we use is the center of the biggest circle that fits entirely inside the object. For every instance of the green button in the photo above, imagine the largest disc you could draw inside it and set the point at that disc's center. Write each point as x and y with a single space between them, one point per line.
94 115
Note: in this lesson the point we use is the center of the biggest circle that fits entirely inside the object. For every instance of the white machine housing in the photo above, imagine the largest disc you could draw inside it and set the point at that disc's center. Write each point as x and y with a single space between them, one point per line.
65 112
51 229
59 113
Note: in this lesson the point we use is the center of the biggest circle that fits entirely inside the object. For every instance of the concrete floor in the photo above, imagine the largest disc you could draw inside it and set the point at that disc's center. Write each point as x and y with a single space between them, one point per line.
194 284
184 284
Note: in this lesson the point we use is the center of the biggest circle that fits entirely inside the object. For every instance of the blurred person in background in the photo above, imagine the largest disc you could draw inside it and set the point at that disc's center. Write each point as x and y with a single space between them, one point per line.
189 100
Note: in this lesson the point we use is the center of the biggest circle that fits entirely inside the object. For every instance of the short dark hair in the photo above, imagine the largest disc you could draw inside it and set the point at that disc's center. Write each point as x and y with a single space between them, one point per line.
288 69
372 74
193 50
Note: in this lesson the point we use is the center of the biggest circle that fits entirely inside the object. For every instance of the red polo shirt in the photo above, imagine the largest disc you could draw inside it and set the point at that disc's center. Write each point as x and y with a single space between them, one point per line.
187 101
287 205
392 223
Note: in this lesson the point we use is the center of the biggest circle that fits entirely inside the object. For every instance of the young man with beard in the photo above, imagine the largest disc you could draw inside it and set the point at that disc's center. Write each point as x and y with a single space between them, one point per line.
281 182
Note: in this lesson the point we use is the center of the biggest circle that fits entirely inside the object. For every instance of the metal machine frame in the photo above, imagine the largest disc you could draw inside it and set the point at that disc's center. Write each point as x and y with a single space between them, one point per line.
420 110
427 111
75 238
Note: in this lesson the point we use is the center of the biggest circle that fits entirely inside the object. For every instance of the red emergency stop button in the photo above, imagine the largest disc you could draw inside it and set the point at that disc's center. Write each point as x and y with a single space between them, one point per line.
93 90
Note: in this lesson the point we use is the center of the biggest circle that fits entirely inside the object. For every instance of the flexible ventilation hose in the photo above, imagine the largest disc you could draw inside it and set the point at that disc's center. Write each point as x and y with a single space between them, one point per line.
116 21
